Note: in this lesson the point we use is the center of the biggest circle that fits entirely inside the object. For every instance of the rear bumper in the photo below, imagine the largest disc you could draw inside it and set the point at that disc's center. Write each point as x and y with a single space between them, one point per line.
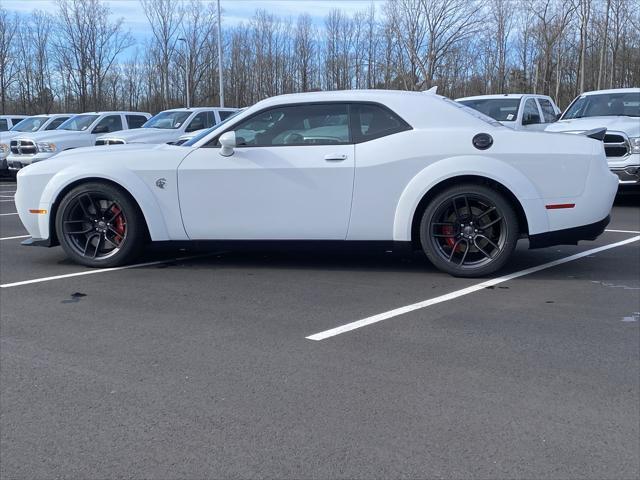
569 236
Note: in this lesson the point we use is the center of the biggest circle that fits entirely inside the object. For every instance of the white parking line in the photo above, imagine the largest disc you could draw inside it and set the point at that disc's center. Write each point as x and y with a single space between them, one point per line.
15 238
623 231
5 214
7 200
103 270
6 196
459 293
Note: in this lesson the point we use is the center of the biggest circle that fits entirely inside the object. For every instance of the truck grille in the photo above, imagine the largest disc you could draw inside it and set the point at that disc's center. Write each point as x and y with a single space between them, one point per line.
109 141
22 147
616 145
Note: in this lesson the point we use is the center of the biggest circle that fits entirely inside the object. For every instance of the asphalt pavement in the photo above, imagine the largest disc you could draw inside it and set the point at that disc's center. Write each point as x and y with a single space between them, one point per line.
201 367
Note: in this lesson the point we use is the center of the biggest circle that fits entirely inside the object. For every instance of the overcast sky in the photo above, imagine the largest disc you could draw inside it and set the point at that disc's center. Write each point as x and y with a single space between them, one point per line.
234 11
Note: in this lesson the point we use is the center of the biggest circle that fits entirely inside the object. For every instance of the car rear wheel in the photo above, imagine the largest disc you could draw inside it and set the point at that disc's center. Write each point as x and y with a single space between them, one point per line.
99 225
469 230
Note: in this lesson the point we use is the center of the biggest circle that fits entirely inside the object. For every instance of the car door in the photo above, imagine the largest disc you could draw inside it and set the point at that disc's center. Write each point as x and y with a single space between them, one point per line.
549 113
290 177
531 116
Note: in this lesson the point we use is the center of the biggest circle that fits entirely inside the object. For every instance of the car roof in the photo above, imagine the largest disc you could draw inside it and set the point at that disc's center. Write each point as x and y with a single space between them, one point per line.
197 109
612 90
114 112
502 95
14 116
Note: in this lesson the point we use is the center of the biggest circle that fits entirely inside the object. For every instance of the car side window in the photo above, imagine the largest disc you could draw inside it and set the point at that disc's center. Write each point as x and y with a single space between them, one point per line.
374 121
113 123
4 125
548 111
136 121
15 121
530 114
56 122
198 123
312 124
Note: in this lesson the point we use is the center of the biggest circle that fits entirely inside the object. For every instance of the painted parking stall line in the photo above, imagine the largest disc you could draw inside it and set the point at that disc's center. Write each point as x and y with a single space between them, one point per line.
459 293
7 214
15 238
105 270
623 231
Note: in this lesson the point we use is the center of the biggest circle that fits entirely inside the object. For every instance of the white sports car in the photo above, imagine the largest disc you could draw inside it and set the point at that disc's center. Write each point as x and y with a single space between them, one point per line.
410 169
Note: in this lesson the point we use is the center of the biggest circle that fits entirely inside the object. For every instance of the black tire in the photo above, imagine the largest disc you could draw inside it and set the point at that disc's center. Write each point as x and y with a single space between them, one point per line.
469 230
100 225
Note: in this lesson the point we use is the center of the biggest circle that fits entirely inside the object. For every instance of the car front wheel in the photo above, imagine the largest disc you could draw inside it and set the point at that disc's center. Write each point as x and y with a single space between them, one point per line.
99 225
469 230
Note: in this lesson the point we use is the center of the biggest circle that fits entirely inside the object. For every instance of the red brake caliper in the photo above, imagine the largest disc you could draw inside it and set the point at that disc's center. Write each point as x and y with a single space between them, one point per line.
118 224
449 231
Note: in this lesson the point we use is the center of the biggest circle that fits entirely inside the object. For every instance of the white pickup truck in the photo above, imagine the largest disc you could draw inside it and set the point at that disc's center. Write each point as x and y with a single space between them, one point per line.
516 110
7 122
35 123
78 131
618 110
168 126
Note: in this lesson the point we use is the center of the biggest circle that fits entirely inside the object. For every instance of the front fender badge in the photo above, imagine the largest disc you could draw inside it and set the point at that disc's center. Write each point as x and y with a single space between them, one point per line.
161 182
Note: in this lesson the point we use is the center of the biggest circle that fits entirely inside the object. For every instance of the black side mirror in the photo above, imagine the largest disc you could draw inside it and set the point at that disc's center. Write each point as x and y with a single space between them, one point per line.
101 129
530 119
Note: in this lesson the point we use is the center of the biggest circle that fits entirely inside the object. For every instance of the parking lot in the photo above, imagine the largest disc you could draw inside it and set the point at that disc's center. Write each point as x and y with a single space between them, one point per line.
321 364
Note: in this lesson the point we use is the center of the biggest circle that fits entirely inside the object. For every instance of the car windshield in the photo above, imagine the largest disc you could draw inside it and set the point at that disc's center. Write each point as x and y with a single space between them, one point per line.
500 109
78 123
168 120
206 132
605 105
31 124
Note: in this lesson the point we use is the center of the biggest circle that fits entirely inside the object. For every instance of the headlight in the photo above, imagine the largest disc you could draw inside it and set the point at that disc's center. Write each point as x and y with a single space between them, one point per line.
635 144
4 148
46 147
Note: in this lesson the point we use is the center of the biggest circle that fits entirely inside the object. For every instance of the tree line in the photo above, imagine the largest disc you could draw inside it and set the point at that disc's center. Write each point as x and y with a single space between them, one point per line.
81 59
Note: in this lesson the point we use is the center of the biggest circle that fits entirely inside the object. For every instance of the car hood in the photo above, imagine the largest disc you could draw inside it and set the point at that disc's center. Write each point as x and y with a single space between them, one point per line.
97 158
55 136
144 135
628 125
6 136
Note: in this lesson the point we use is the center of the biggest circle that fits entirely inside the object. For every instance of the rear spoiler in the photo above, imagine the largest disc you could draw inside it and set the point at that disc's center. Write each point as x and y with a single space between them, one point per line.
596 133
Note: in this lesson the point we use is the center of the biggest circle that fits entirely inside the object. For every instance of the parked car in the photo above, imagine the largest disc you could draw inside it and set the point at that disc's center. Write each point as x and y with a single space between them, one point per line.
8 121
168 126
516 110
619 111
78 131
31 124
363 165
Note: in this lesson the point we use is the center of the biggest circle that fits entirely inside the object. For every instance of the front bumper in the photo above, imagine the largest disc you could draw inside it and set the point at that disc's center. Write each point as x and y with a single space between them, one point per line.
569 236
16 162
37 242
627 169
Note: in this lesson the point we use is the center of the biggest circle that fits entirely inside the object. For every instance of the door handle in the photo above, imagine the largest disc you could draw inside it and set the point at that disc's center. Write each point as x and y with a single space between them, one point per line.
335 157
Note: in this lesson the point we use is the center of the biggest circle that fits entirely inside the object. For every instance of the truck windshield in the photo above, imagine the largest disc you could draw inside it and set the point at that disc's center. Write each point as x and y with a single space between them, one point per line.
31 124
500 109
168 120
206 132
604 105
78 123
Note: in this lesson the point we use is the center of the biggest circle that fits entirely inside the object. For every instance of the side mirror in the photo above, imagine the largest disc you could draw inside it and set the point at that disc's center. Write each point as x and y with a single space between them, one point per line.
530 119
558 115
227 142
101 129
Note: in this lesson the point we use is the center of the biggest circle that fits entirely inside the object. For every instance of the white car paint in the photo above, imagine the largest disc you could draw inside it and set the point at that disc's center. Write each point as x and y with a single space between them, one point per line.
147 134
46 122
362 191
62 139
624 126
7 122
491 106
